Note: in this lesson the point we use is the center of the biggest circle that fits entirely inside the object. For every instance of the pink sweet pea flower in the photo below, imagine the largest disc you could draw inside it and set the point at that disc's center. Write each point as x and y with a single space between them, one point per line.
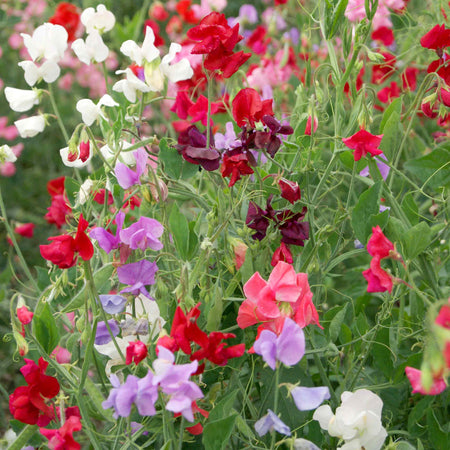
362 143
415 378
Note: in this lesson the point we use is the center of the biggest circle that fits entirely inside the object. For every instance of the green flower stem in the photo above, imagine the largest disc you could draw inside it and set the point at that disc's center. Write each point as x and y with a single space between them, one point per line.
97 150
275 401
87 423
23 438
180 440
10 232
57 114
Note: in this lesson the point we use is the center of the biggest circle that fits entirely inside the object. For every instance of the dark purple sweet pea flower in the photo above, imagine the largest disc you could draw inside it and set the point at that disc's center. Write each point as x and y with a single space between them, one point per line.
288 347
106 240
292 228
271 422
308 398
143 234
113 304
137 275
127 177
192 146
102 335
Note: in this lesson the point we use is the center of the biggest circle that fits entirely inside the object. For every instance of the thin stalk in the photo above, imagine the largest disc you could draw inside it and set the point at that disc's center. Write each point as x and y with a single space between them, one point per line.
275 402
57 114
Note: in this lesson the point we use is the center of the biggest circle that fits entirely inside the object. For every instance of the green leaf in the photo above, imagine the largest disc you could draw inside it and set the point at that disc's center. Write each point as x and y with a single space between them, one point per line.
337 18
216 434
367 206
403 445
71 187
223 407
193 241
393 110
175 166
44 327
179 228
432 169
410 208
391 129
436 434
417 239
336 323
101 281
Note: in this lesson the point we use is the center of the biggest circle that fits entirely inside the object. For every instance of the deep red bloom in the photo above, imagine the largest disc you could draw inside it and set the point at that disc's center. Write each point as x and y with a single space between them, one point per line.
199 110
62 438
235 164
379 245
64 249
182 104
308 127
25 230
198 427
249 108
99 197
384 35
59 209
136 352
437 39
67 16
292 227
388 93
27 403
290 190
282 253
363 142
56 186
186 12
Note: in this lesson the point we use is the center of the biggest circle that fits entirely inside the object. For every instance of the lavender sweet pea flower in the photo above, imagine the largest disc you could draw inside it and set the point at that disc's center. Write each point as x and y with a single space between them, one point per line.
227 140
137 275
102 335
110 402
383 168
248 13
106 240
271 422
127 177
113 304
288 347
143 234
307 398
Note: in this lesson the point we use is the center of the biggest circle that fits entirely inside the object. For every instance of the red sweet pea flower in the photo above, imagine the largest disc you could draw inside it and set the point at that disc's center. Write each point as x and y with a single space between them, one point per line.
363 142
443 318
235 164
409 78
379 245
384 35
64 249
388 93
136 352
198 427
182 105
282 253
67 16
290 190
249 108
62 438
25 230
378 279
380 72
186 12
199 110
99 197
155 27
415 378
27 403
59 209
437 39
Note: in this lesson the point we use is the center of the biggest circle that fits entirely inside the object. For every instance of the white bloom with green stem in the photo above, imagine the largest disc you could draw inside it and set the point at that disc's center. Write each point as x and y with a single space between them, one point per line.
21 100
90 111
49 71
93 49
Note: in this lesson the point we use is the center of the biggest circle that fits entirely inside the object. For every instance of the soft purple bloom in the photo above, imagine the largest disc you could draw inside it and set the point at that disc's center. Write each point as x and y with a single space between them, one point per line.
102 335
143 234
127 177
304 444
113 304
137 275
308 398
271 422
248 13
106 240
293 34
126 396
288 347
227 140
383 168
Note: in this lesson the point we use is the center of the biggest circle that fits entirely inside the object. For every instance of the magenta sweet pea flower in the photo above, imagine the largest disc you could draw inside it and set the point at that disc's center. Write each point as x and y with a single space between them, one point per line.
362 143
127 177
106 240
271 422
137 275
288 347
143 234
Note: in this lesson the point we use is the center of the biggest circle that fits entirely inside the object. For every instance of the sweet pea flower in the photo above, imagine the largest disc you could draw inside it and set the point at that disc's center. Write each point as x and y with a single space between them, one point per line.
106 240
90 111
137 275
383 168
143 234
357 420
93 49
362 143
81 158
31 126
102 335
136 352
146 53
21 100
288 347
415 378
7 155
130 85
48 41
127 177
112 304
99 19
49 71
308 398
271 422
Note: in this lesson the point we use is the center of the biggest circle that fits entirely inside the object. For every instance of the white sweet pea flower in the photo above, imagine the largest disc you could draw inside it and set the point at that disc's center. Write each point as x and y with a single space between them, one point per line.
49 41
179 71
84 192
90 111
147 309
357 421
93 49
49 72
78 158
130 85
101 19
147 52
6 154
20 99
30 126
